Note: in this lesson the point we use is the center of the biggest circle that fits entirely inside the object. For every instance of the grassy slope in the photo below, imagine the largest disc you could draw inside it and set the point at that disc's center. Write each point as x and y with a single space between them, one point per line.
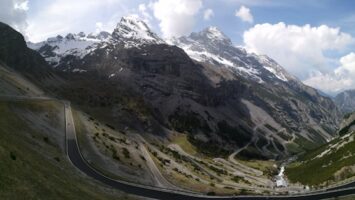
11 83
182 141
325 167
85 146
32 167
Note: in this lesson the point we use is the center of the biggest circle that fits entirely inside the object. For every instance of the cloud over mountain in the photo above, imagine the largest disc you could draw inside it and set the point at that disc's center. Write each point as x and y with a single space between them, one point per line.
176 17
300 49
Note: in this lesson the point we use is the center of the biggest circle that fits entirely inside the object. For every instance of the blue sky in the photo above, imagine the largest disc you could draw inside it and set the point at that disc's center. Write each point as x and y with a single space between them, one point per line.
314 12
312 39
299 12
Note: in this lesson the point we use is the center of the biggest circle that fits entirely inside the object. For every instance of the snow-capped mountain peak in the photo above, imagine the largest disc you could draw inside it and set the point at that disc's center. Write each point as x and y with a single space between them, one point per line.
213 33
71 36
212 46
79 45
103 35
132 28
129 32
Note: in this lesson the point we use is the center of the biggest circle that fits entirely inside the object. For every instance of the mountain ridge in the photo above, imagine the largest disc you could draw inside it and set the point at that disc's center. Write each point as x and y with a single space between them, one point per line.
223 96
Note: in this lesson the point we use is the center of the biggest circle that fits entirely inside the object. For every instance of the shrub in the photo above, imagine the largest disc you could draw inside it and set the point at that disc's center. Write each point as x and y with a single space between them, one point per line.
46 139
142 157
211 193
126 153
12 156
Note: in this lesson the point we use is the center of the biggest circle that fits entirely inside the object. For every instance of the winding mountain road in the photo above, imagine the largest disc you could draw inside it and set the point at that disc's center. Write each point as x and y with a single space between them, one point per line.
79 162
244 168
161 193
159 178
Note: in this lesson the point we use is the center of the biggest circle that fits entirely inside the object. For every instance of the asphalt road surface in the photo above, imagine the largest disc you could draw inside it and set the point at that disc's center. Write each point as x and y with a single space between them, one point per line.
78 161
160 193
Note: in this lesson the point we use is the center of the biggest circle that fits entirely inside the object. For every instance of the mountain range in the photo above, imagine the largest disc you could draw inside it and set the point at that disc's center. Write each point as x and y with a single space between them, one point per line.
219 94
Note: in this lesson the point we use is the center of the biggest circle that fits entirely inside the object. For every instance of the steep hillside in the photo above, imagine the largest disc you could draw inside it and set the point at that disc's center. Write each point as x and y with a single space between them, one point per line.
34 164
33 160
225 99
333 162
13 83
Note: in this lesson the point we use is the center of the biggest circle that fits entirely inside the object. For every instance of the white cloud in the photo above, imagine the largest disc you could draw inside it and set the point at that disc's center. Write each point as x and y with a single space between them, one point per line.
347 64
342 78
244 14
144 13
142 8
13 12
208 14
99 27
64 16
176 17
21 5
299 49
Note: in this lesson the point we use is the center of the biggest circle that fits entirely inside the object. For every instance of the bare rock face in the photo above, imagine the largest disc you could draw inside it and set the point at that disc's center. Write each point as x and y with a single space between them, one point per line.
346 101
221 95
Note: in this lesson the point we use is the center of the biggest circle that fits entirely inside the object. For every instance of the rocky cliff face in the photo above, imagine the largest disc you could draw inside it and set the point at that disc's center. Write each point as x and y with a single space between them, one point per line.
346 101
221 95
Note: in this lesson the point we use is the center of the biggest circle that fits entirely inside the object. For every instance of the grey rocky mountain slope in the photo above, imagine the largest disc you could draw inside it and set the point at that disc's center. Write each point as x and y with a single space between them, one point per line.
221 95
271 84
346 101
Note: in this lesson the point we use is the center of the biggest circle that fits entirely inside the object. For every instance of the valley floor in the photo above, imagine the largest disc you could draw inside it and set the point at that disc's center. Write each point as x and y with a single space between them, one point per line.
173 164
